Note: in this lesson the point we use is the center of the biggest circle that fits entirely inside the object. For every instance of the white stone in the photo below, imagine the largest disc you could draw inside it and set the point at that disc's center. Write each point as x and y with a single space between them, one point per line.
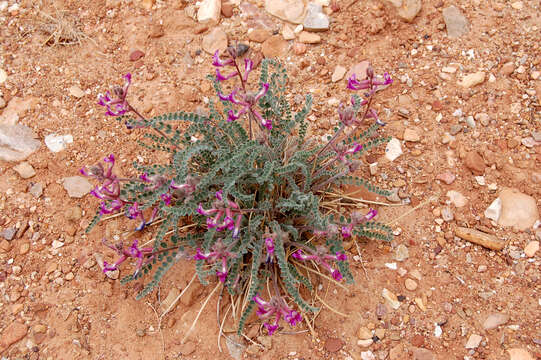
287 32
473 341
473 79
393 149
494 210
365 343
57 143
391 266
391 298
338 74
315 19
457 198
209 11
57 244
367 355
3 76
77 186
76 91
518 209
288 10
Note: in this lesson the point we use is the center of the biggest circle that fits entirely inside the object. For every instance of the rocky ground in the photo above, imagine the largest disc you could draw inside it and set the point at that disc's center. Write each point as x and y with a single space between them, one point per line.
461 280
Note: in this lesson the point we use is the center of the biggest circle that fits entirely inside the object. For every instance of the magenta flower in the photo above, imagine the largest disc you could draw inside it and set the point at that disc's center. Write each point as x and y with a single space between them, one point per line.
370 83
118 105
229 210
276 308
356 219
321 257
166 197
220 252
132 252
248 102
216 61
221 77
269 243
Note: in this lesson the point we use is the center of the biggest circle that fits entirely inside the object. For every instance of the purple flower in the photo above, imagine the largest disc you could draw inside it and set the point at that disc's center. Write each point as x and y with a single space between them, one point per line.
236 229
132 252
356 148
220 252
113 206
269 243
133 211
118 105
216 61
354 84
346 230
346 114
166 197
248 66
247 101
322 257
221 77
275 308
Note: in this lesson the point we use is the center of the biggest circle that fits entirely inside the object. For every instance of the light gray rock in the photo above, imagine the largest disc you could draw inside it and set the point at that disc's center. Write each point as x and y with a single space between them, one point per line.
214 40
455 22
36 190
495 320
293 11
57 143
17 142
315 19
77 186
518 209
401 253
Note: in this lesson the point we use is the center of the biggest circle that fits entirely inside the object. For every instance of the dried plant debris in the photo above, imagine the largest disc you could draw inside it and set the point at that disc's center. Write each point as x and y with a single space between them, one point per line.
61 28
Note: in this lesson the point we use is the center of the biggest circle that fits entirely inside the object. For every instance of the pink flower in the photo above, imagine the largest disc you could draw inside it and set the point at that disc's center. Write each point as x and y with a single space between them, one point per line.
118 105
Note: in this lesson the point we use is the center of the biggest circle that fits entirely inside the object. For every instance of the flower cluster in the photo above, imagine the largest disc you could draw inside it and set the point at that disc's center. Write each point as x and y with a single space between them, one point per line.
372 84
216 218
246 99
356 219
118 105
132 252
220 252
322 257
109 190
276 308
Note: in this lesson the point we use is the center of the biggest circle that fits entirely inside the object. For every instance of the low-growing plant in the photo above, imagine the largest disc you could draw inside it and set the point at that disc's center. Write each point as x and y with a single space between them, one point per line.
252 185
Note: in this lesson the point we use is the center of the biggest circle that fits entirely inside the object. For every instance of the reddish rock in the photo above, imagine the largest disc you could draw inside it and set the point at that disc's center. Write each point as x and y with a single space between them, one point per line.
333 345
422 354
227 10
136 55
275 46
475 163
447 177
418 340
13 333
259 35
437 105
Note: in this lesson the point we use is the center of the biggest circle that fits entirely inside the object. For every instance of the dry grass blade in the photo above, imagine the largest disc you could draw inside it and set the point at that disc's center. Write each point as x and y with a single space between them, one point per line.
432 198
322 275
348 197
62 29
178 297
329 307
199 314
